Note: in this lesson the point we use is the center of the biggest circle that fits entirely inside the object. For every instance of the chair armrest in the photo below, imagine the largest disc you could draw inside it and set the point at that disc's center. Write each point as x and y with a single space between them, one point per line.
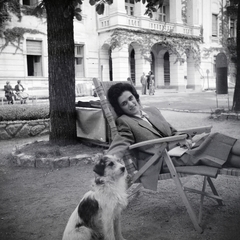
159 140
196 130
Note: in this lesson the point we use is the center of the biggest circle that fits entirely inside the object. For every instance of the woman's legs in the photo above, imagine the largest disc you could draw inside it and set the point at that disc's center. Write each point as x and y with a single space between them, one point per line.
236 148
9 99
234 161
234 158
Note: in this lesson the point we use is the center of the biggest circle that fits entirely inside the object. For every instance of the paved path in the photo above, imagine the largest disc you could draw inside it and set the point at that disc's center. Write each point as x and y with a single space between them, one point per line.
206 101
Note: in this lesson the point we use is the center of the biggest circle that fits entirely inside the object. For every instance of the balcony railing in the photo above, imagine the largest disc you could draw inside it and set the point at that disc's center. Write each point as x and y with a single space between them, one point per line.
143 23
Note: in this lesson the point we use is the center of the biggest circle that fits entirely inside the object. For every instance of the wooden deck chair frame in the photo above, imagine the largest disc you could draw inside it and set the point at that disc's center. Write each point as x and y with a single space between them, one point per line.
161 154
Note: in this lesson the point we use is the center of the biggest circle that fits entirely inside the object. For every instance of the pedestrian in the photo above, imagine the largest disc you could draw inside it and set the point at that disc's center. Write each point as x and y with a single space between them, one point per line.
148 80
23 96
143 81
130 80
9 94
151 83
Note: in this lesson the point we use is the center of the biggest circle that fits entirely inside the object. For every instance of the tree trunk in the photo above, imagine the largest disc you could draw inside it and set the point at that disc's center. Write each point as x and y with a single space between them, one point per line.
236 97
61 72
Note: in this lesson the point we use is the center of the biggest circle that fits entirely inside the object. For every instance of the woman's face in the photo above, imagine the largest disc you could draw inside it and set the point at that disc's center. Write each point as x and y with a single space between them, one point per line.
129 104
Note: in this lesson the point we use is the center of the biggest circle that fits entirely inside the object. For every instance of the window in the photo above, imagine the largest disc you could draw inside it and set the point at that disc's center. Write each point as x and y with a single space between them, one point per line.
79 66
30 2
161 14
233 28
129 6
214 25
34 58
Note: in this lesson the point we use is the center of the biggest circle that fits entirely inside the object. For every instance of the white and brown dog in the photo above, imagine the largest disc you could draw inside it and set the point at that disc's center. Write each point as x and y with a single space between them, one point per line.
98 214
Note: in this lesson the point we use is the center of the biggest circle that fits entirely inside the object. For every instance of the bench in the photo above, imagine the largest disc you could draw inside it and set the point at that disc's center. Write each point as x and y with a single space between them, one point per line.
4 99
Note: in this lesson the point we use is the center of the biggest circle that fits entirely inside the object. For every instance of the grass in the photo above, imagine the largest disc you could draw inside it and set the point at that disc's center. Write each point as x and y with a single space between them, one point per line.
44 149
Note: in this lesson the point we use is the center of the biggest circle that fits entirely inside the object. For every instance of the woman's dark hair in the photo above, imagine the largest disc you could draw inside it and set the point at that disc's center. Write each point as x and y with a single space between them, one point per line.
115 91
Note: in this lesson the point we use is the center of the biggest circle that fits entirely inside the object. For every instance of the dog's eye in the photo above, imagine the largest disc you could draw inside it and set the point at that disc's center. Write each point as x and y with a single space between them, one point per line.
111 164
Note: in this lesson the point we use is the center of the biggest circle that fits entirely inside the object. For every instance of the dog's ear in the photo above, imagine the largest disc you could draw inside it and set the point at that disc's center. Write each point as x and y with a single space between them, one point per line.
100 167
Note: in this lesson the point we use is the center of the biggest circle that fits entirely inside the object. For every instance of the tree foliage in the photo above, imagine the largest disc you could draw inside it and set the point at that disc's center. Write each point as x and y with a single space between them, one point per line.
177 44
7 6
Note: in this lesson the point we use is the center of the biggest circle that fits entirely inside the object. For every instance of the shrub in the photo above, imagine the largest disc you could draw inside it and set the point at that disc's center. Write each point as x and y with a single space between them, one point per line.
24 112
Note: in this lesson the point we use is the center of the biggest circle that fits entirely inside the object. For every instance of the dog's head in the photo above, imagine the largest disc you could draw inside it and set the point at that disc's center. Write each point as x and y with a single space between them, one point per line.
111 167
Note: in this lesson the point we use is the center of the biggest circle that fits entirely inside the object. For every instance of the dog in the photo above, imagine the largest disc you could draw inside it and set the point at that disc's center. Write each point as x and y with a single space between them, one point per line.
97 216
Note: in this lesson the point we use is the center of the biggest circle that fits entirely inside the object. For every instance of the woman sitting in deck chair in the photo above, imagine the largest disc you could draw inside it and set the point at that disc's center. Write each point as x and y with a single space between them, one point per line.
136 124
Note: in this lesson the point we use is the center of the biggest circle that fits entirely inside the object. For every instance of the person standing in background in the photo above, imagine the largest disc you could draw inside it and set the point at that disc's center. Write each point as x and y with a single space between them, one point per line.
143 81
148 80
130 81
151 83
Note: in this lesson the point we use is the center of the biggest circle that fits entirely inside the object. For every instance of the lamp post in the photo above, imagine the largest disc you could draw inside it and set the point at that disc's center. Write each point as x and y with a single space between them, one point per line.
208 77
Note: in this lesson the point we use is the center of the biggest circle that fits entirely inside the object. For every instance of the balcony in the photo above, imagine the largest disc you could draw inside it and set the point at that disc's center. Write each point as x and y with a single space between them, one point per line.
143 23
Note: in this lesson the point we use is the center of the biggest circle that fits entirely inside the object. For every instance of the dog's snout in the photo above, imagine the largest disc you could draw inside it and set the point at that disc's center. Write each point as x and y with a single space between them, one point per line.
122 169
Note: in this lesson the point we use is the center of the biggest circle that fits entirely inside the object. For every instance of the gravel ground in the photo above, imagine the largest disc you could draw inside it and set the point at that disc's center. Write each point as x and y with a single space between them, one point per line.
36 203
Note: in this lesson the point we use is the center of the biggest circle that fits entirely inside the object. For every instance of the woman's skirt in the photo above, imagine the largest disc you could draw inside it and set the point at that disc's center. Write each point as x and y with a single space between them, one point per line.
211 151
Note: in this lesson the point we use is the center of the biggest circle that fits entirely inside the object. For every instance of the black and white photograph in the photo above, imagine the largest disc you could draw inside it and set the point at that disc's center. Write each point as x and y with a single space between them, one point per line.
119 119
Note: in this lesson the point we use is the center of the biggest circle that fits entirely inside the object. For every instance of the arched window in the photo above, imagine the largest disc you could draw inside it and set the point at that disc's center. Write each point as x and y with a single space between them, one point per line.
166 69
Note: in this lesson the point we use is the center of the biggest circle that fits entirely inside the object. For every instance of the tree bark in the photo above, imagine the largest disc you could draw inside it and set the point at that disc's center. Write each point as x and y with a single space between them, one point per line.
236 96
61 72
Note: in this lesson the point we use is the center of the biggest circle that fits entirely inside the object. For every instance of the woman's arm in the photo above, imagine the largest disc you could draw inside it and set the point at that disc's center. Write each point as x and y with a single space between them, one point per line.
174 132
122 140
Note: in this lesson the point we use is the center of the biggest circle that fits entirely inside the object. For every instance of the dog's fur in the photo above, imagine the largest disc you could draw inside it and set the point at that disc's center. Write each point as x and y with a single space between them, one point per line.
98 214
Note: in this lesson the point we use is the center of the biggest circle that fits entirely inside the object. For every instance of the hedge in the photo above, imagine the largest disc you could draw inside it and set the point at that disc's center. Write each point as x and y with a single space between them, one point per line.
24 112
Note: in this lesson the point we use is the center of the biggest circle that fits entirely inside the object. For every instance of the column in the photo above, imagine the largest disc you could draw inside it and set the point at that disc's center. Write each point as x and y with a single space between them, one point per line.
175 11
140 9
206 20
104 64
120 63
193 75
176 74
193 11
141 65
159 72
117 6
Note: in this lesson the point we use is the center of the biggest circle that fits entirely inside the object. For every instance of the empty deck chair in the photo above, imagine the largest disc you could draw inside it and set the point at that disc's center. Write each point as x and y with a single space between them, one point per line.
163 154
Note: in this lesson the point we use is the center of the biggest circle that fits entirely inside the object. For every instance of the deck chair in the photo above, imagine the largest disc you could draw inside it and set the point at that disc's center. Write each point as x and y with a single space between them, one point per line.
162 154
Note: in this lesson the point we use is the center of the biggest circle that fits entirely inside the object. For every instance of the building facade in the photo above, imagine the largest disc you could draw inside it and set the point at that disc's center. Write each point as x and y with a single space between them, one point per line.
124 42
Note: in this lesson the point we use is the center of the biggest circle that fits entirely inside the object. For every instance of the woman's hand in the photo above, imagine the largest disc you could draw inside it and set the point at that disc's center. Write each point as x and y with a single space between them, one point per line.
187 144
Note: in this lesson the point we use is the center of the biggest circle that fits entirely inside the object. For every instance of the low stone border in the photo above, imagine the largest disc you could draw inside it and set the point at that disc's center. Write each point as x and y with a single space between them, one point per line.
23 129
23 160
227 116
